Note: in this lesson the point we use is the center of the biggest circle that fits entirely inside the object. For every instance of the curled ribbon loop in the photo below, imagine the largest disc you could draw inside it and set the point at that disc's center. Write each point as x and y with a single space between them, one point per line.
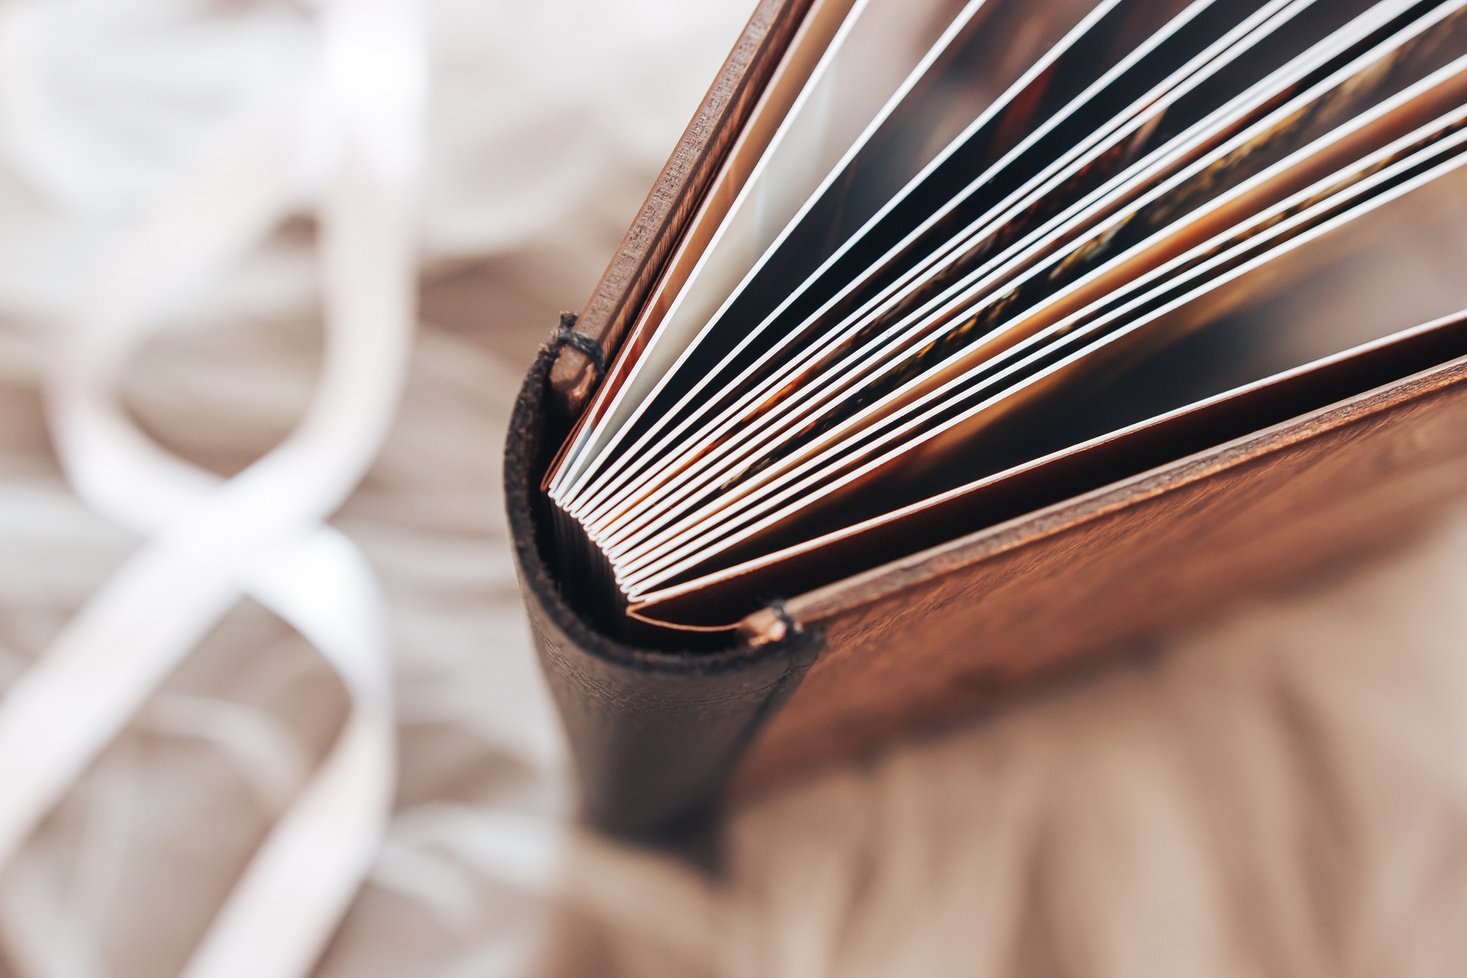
355 135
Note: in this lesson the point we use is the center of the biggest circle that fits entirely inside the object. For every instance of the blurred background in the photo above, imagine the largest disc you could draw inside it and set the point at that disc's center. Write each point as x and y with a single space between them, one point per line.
1282 792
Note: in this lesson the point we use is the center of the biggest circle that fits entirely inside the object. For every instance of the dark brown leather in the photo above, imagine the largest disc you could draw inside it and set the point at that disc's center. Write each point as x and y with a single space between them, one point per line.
654 733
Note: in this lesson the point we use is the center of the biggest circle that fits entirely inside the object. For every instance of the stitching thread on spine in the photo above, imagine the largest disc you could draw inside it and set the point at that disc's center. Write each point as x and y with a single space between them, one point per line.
792 627
566 334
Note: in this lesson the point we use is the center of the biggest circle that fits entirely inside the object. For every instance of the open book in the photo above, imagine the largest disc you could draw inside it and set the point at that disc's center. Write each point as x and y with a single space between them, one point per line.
957 249
962 342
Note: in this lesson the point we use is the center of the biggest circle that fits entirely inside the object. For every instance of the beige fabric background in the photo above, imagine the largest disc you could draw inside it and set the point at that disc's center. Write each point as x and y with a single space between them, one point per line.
1282 792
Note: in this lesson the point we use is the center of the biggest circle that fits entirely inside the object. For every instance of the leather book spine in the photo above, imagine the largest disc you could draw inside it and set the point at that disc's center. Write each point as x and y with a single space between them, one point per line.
654 734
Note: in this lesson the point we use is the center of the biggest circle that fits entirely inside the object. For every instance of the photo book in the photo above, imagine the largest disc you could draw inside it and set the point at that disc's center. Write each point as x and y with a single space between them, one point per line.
960 342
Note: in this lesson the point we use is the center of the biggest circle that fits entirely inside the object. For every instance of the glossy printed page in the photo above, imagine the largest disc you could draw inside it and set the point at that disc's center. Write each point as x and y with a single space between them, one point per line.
849 64
1017 223
843 64
910 444
975 61
757 374
838 371
1346 283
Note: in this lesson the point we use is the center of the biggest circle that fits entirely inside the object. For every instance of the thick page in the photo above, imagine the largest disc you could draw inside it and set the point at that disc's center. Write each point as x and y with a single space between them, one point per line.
916 333
961 247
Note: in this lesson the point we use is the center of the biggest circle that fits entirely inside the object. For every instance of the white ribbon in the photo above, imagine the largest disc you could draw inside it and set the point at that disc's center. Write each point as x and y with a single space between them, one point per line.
355 134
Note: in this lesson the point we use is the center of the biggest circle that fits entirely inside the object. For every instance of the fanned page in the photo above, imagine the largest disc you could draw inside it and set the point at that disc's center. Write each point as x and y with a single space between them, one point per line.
966 257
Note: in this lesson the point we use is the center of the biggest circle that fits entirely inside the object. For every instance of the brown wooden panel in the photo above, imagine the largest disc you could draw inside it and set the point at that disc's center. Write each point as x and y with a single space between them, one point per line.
674 197
935 635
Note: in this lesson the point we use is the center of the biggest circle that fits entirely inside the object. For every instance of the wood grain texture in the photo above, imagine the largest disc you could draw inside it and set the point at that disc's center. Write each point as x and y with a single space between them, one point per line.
936 635
674 197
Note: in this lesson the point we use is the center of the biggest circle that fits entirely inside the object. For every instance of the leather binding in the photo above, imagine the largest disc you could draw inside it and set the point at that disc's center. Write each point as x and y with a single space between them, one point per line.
1139 535
654 732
